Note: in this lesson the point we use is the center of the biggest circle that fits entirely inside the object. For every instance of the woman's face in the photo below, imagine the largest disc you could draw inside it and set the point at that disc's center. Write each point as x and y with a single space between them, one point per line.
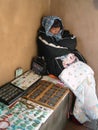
54 30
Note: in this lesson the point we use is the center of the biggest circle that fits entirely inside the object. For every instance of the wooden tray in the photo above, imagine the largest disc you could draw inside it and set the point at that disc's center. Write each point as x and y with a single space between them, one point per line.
47 93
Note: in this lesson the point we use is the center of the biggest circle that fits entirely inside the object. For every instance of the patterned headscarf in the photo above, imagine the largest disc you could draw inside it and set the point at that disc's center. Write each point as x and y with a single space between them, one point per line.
47 22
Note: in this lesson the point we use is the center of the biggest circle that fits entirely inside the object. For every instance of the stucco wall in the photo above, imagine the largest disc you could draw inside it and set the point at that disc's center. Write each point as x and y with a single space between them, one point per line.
81 18
19 21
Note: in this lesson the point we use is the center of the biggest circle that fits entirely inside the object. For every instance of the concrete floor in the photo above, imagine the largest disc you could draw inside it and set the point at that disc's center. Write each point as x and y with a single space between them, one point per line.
70 125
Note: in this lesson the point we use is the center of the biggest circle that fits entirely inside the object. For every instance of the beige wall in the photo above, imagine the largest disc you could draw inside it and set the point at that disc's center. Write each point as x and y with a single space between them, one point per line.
19 21
81 18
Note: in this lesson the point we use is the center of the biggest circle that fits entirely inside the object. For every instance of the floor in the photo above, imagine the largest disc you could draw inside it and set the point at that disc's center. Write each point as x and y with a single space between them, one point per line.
74 126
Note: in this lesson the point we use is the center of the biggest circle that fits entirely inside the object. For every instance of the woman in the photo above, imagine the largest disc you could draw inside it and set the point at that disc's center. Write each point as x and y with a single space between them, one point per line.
53 41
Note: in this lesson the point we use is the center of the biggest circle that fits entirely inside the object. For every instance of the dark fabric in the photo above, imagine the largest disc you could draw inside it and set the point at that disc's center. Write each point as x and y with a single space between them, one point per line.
68 42
79 55
50 52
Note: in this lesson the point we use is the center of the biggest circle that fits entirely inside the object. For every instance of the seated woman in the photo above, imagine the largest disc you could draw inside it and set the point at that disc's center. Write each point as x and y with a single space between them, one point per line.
58 46
51 42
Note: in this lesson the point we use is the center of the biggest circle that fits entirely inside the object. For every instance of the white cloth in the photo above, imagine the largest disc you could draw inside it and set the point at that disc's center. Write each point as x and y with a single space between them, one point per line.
79 77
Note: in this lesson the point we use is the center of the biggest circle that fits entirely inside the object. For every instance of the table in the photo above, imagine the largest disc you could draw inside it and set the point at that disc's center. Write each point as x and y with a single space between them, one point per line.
27 115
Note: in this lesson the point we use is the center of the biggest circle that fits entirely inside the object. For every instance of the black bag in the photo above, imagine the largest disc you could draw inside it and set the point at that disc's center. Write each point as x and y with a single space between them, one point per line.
38 65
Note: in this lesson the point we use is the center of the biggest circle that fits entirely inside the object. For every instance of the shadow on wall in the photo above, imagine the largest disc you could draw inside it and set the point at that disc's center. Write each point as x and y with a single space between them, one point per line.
95 2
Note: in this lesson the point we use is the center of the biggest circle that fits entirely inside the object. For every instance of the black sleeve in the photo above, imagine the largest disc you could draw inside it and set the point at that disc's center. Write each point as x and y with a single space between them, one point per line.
66 33
48 47
68 40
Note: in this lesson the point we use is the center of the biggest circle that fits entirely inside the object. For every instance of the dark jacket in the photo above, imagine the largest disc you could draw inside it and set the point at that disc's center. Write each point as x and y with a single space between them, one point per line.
50 48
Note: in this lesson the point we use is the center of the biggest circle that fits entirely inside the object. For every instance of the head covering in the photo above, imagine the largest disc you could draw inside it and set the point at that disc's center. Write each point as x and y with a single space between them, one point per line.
47 23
